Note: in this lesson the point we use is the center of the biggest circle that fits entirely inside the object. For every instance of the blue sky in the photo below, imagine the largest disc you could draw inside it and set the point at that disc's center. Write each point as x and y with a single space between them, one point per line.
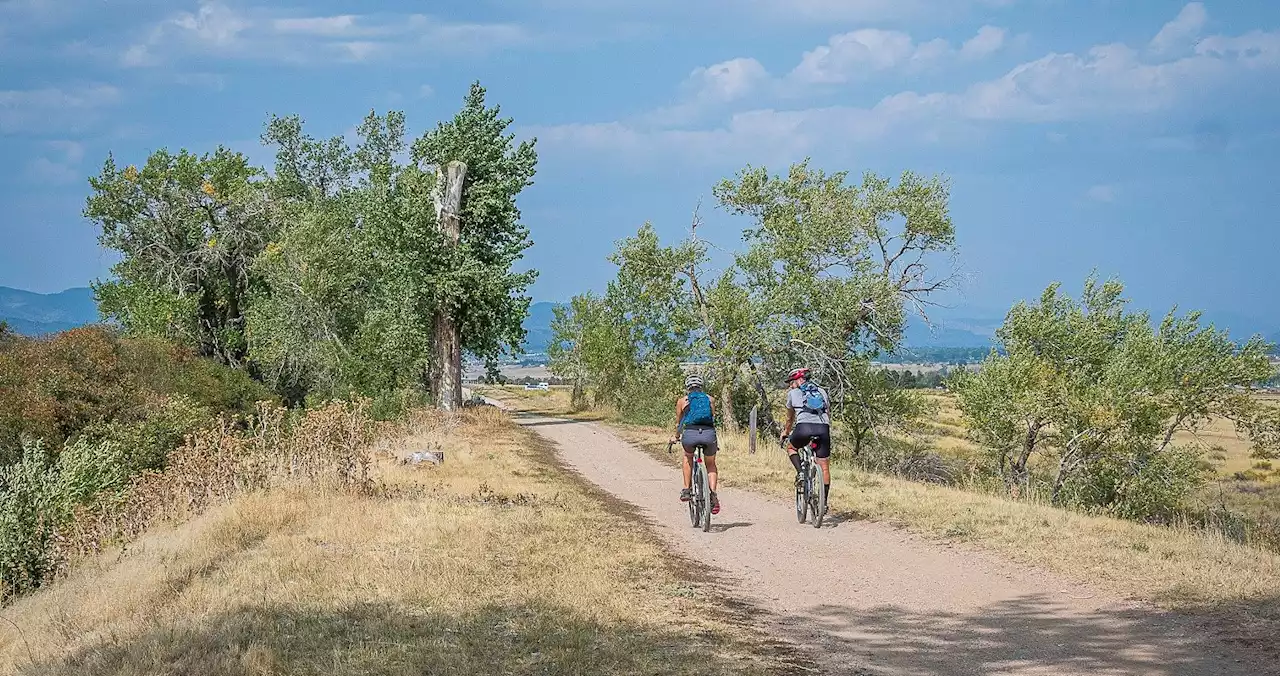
1138 138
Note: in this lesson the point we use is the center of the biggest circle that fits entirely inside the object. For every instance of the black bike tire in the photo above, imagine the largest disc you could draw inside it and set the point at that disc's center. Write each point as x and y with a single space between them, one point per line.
819 499
706 506
802 501
695 500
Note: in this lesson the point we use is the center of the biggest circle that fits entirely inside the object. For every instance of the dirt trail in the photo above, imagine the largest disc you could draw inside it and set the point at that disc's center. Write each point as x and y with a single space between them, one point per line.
871 599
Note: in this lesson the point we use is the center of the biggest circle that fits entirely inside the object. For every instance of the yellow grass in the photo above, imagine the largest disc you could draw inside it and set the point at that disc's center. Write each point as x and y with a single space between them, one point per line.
495 562
1176 568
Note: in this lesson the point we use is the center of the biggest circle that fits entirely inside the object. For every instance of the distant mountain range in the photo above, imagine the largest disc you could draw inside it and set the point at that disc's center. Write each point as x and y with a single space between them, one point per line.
37 314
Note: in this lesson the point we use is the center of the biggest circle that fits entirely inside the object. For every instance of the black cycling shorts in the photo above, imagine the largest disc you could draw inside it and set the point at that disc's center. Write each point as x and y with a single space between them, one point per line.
803 432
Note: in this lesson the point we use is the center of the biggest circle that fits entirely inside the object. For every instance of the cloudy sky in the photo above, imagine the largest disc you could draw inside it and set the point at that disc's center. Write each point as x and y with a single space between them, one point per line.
1139 138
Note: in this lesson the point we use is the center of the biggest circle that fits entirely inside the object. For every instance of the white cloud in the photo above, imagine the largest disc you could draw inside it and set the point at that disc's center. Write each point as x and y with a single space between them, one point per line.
867 10
1101 193
426 91
1105 81
729 80
263 33
1182 31
850 56
62 169
988 41
52 108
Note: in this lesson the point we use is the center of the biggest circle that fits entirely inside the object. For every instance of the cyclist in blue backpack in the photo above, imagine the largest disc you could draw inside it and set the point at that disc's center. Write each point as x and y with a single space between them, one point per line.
808 416
696 425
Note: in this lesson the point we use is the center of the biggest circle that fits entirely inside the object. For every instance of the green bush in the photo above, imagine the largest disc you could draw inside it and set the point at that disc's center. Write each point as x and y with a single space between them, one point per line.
1139 486
32 508
145 444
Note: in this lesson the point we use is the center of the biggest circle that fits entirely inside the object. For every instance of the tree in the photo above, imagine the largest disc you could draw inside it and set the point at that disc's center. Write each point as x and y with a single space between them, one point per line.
1103 393
831 269
476 284
188 228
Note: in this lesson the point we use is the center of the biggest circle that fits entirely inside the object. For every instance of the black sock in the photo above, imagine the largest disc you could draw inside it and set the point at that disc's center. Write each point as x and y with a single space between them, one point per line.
795 460
826 492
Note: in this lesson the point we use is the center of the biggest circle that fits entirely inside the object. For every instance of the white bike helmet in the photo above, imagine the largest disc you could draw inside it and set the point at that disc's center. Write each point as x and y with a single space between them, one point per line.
694 381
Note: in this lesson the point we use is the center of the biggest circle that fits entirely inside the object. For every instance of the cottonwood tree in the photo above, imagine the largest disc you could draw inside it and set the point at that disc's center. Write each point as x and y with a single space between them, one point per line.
475 283
832 269
1100 393
187 227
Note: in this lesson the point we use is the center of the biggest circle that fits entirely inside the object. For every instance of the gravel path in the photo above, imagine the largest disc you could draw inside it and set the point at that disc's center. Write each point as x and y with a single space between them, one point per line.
870 599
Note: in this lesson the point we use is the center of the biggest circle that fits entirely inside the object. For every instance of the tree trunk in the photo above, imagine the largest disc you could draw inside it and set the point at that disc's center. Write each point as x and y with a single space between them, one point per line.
726 407
766 420
447 371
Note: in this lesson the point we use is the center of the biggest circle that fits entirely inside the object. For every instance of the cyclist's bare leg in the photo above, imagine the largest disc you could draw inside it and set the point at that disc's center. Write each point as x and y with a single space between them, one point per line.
825 464
688 470
712 475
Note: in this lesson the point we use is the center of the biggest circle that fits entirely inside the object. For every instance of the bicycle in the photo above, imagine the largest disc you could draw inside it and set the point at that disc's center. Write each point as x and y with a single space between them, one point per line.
810 498
700 500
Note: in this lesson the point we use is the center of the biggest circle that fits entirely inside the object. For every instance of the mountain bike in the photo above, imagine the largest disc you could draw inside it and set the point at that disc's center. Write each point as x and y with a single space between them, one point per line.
700 500
810 498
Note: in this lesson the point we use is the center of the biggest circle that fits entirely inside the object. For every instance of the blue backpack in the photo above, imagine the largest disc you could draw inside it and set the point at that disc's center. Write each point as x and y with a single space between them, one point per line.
814 402
699 411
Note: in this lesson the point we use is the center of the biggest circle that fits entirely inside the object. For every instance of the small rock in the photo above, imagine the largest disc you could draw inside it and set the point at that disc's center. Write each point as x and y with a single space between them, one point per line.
419 457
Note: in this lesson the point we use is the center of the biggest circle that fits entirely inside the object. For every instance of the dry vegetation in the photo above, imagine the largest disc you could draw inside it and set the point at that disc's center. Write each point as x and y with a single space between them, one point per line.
495 562
1173 567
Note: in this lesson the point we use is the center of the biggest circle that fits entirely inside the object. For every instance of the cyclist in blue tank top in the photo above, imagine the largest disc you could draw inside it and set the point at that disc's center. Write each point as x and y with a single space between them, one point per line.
696 425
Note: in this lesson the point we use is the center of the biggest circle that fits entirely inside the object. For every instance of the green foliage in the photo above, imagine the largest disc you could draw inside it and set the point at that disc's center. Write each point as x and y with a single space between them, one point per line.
187 227
827 277
55 388
324 276
1101 392
477 282
31 510
144 445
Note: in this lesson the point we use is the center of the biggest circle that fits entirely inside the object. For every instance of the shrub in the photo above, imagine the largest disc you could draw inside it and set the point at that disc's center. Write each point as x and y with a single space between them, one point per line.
54 507
54 388
31 514
1142 486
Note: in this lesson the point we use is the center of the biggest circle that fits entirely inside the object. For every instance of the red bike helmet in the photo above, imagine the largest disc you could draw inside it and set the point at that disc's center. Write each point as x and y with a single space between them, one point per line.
801 372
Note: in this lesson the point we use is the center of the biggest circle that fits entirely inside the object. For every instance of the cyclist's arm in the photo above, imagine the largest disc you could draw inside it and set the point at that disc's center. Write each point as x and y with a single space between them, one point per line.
681 404
791 422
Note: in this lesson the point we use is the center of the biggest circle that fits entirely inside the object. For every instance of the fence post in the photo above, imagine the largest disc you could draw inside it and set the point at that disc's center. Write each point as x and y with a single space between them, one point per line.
752 433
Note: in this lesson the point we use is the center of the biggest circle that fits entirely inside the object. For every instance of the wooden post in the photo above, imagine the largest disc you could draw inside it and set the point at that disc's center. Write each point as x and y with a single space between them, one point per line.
448 353
752 433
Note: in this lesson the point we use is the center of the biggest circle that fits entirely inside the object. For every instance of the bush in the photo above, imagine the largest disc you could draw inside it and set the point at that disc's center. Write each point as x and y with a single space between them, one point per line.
1141 487
146 443
57 506
32 511
54 388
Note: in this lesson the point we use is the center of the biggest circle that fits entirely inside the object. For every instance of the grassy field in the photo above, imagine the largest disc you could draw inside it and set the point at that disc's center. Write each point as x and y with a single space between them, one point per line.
1176 568
495 562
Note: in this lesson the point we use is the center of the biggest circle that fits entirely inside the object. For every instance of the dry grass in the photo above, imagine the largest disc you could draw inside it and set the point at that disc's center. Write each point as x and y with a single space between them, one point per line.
1175 568
495 562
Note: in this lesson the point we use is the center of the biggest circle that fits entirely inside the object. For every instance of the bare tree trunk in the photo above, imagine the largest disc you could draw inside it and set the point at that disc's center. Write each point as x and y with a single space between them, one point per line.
447 372
726 407
766 420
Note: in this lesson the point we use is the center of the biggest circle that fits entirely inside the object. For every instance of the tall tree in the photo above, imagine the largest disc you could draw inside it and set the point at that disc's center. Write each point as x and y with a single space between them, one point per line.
188 228
476 284
832 269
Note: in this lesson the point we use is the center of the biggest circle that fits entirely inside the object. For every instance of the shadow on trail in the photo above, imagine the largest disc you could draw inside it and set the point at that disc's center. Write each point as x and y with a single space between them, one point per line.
722 527
1033 634
535 420
375 638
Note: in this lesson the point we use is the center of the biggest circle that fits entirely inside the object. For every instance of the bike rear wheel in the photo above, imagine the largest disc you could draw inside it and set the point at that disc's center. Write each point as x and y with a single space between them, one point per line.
819 496
706 505
695 500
